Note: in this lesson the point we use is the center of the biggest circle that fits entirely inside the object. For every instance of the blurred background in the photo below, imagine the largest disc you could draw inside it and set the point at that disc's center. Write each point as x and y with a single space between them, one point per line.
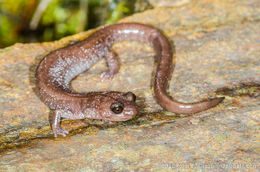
47 20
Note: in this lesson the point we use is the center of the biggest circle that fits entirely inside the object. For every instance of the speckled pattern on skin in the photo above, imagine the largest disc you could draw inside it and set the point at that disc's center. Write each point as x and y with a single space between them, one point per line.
58 68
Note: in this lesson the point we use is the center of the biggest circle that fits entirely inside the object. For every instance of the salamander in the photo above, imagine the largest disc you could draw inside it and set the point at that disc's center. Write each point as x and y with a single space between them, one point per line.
56 70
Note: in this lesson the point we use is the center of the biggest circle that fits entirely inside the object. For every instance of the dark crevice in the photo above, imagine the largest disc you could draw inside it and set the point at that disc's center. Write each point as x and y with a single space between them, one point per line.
243 89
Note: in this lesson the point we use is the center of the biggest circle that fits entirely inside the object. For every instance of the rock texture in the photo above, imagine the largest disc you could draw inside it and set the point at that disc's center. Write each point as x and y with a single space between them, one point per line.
217 46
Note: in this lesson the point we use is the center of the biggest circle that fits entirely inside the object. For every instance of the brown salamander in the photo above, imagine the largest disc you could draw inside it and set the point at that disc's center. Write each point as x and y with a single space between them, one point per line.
59 67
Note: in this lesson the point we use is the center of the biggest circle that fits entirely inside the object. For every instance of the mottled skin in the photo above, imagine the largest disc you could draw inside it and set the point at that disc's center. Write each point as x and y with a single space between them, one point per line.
58 68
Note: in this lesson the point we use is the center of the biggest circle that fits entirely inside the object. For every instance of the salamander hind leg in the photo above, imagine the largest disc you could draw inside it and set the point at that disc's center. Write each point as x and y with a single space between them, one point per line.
113 65
56 124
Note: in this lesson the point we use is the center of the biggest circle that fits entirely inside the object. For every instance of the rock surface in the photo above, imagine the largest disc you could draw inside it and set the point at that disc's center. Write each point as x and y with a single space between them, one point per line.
217 46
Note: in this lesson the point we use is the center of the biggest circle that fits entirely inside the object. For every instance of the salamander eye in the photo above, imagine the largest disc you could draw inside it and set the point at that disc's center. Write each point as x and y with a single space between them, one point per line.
117 107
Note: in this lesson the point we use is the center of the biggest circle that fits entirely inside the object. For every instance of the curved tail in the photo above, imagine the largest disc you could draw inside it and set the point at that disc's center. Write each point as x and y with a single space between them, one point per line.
164 51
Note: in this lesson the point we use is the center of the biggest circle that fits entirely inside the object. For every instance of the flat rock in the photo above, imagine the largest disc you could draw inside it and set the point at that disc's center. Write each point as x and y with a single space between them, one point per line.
217 45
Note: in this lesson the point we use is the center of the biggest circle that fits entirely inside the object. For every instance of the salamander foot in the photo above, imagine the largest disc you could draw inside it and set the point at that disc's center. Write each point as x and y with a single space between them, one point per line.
60 131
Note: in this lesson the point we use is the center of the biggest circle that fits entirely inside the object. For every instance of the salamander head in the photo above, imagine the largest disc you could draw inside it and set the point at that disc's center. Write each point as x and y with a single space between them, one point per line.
122 108
115 106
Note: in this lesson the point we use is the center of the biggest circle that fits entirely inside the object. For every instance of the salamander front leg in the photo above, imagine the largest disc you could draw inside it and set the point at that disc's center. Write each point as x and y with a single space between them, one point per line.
113 65
56 124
